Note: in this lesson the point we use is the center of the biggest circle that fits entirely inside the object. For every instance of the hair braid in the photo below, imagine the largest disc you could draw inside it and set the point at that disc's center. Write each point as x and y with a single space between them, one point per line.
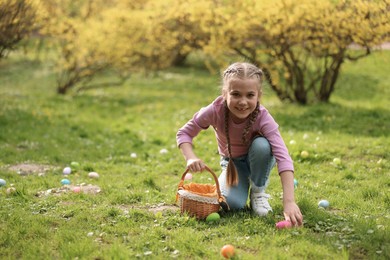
250 123
231 171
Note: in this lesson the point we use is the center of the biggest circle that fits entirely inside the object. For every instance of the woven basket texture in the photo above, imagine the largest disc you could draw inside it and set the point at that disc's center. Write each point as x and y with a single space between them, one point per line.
199 200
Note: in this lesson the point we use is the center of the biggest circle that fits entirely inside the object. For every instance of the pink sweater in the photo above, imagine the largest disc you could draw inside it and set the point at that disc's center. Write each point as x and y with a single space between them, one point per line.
213 115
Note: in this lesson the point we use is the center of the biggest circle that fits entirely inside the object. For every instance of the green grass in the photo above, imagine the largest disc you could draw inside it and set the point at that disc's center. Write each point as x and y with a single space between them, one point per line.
101 128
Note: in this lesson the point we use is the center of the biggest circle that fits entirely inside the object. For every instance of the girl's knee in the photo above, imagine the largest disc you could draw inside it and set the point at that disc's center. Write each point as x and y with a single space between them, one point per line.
236 203
260 145
236 197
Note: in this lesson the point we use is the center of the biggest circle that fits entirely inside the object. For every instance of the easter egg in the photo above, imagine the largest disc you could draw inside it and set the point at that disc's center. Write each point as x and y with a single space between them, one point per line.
213 217
76 189
10 190
337 161
93 175
188 176
323 204
75 165
304 154
283 224
65 182
2 182
67 171
164 151
227 251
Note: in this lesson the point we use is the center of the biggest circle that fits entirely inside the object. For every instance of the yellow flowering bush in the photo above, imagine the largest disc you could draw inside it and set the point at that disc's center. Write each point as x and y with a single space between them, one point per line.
18 20
123 36
300 45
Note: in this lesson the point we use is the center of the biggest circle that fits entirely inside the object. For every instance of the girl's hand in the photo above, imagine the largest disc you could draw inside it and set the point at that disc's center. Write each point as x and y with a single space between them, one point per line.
293 214
195 165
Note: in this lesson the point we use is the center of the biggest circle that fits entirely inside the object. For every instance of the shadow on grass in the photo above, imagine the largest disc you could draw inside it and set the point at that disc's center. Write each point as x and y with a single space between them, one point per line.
335 117
33 136
353 87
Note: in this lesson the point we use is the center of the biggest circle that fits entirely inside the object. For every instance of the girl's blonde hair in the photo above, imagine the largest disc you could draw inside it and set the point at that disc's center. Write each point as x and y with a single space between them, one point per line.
242 70
239 71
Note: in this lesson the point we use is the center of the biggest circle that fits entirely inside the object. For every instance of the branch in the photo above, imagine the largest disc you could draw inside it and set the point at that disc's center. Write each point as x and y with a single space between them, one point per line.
368 52
102 85
251 59
313 84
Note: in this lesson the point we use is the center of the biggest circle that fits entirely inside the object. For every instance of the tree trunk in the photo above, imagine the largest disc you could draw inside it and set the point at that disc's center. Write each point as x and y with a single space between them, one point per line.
179 59
282 95
300 93
61 90
330 77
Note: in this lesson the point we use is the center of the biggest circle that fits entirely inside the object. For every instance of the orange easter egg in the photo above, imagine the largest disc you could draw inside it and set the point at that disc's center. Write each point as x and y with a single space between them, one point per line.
227 251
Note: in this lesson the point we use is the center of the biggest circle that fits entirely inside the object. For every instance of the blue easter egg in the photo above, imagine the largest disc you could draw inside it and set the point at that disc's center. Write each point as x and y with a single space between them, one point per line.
295 183
323 204
65 182
2 182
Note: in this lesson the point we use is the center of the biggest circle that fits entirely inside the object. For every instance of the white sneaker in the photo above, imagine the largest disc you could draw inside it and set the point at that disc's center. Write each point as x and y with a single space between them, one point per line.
259 203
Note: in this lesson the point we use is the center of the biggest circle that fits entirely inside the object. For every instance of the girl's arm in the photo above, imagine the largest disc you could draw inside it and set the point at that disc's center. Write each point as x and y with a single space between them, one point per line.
291 210
194 164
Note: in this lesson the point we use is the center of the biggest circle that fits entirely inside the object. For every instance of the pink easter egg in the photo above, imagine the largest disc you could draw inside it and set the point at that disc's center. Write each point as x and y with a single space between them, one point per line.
188 176
76 189
283 224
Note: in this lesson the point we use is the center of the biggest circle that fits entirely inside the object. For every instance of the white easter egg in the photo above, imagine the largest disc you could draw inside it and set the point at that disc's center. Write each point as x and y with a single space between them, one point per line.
323 204
93 175
67 171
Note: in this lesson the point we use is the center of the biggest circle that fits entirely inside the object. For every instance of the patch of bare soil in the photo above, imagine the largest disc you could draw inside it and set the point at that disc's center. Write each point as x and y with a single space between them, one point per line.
86 189
161 207
383 46
24 169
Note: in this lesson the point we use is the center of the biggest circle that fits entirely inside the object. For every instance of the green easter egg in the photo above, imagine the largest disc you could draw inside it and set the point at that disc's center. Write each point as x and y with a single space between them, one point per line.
213 217
74 165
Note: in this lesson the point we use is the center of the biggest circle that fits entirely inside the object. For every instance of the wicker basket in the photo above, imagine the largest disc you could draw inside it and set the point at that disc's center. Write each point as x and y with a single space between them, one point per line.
200 200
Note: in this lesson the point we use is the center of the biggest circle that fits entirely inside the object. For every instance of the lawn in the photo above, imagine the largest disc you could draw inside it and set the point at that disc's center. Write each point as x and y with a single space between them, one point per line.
127 135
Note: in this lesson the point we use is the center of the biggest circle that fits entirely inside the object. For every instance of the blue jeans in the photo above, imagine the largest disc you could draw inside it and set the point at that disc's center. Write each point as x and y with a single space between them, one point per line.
253 170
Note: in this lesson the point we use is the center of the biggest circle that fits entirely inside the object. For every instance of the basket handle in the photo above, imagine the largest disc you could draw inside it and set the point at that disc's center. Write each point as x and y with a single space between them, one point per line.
221 199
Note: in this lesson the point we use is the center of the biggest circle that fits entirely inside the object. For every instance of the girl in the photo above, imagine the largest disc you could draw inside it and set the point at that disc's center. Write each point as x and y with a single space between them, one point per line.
249 143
